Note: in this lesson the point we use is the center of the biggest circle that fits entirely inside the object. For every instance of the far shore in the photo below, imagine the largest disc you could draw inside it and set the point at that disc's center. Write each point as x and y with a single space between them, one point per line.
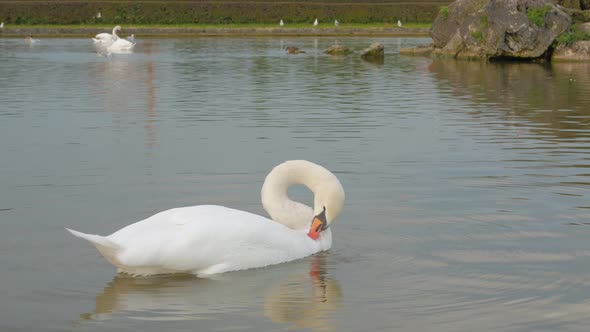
416 30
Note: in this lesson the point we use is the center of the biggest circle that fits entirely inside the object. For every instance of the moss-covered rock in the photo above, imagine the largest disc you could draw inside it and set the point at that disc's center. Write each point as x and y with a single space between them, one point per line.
574 4
424 50
374 52
521 29
337 50
577 51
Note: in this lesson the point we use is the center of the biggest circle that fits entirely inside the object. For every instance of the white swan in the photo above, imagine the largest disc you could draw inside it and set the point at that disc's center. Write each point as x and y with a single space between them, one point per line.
121 46
107 39
336 23
315 23
210 239
30 40
399 23
131 38
281 23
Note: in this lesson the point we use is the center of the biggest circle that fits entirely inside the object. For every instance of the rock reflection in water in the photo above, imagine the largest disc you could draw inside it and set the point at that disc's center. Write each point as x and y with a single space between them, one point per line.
552 86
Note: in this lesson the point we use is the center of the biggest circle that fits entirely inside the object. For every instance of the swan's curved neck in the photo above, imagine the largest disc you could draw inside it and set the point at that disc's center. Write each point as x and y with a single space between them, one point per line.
295 215
115 29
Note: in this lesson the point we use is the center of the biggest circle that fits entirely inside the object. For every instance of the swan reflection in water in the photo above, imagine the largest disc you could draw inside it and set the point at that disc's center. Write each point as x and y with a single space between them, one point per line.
303 299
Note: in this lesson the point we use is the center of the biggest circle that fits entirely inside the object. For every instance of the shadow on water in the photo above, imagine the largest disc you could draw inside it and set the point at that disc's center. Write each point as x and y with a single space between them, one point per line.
302 299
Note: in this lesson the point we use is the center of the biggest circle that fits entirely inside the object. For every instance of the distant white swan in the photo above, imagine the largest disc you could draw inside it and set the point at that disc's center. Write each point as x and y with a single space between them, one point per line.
30 40
336 23
2 25
281 23
399 23
121 46
107 43
315 23
106 39
211 239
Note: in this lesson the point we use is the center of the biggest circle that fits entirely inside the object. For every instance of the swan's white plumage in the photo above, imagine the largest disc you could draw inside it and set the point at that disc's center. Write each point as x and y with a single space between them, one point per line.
111 43
121 46
106 39
211 239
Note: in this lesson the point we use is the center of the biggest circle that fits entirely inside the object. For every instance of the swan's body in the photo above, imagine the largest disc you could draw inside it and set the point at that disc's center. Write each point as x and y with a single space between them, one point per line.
105 39
315 23
210 239
121 46
30 40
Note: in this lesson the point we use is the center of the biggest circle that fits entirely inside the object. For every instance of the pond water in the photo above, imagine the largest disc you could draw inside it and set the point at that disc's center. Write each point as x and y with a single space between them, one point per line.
468 202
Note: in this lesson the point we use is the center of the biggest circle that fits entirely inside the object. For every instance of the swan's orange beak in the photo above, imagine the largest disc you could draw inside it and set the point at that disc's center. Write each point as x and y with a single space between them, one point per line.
318 224
316 228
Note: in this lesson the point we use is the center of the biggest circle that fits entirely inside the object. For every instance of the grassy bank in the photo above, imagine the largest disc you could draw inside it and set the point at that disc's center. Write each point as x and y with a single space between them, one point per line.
216 11
327 29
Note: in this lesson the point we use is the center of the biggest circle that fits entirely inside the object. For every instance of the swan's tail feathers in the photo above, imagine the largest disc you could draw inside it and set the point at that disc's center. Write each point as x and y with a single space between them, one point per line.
106 247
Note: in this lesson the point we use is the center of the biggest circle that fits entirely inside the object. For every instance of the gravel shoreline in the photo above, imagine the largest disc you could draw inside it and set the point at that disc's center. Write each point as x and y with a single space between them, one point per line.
195 31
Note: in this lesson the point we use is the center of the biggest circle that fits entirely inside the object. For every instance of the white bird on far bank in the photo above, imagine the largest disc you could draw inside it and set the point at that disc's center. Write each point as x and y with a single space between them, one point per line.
281 23
2 25
399 23
315 23
336 23
98 15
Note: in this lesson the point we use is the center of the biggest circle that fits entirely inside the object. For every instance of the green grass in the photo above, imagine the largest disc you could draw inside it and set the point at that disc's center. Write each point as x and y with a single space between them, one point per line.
127 12
537 15
444 12
326 25
477 35
569 38
483 21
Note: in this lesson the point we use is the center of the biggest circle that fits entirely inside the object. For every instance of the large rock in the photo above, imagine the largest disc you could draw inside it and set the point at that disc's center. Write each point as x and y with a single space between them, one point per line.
486 29
578 16
424 50
574 4
374 52
584 27
578 51
450 18
337 50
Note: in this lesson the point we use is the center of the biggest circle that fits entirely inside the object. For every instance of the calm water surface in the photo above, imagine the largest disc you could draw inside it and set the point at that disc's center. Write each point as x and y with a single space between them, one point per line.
468 203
